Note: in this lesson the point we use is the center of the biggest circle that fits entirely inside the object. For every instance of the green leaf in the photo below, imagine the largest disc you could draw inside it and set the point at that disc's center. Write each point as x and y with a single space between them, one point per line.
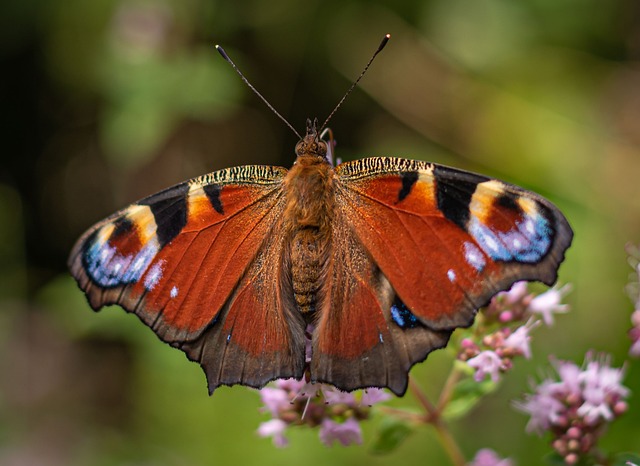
145 100
391 435
466 394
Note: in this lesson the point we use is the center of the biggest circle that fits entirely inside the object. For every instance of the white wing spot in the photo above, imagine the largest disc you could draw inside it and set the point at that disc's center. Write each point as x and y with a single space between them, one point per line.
529 226
491 243
473 256
153 276
105 253
139 263
174 292
452 275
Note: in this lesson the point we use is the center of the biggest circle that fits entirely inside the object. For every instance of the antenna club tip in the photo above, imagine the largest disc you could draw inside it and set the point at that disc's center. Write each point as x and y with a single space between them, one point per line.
384 41
222 52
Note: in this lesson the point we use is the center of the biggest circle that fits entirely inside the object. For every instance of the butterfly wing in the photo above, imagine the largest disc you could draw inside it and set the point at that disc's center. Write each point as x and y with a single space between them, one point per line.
190 261
426 246
355 344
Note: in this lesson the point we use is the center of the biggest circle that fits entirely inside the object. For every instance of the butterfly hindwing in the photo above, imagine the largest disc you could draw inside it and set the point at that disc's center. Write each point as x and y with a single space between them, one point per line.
188 262
356 344
261 333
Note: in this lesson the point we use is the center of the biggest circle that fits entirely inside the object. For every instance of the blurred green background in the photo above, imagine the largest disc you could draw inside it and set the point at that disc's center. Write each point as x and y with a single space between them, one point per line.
107 101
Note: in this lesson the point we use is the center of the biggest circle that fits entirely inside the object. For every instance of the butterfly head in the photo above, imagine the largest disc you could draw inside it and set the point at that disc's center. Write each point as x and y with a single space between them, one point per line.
311 144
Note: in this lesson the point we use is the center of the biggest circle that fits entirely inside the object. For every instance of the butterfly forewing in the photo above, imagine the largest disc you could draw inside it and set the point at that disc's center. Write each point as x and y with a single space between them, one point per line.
193 258
448 240
259 335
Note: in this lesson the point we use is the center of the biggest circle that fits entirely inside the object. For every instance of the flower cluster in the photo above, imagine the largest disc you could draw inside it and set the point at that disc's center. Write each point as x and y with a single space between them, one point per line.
519 305
491 354
338 414
577 405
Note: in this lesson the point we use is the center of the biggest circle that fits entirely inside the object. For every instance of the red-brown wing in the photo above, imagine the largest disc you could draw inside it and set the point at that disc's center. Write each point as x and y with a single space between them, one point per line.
356 344
258 335
189 262
421 247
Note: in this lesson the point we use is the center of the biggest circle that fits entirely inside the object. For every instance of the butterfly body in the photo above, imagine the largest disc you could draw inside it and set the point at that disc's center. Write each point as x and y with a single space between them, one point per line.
382 258
307 223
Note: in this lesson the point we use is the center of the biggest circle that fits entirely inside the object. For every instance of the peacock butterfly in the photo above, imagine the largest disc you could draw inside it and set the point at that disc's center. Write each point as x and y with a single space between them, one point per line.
381 257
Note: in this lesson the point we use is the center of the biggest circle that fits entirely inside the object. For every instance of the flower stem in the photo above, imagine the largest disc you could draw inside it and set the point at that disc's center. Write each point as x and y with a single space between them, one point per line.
433 417
421 396
448 443
449 385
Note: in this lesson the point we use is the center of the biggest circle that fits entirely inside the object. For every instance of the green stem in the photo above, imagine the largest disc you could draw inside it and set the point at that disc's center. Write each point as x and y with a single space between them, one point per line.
433 417
449 385
448 443
421 396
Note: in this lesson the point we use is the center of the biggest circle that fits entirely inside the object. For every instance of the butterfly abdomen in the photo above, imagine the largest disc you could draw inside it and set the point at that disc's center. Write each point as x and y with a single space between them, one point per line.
307 221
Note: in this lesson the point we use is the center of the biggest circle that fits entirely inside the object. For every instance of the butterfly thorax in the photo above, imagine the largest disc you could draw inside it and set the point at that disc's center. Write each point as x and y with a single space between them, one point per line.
309 188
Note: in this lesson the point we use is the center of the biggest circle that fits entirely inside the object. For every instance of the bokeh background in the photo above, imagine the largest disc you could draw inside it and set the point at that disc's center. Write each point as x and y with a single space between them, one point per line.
106 101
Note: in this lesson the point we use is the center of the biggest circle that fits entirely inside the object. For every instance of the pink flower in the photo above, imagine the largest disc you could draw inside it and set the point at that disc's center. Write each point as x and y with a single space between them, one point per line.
486 363
274 428
548 303
274 399
570 376
599 374
594 407
600 384
372 396
488 457
576 407
292 402
296 403
518 305
511 305
505 331
545 409
346 433
520 338
516 293
333 396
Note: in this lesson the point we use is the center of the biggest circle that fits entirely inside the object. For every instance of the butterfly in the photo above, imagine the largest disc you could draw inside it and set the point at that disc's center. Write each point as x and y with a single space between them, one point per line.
372 263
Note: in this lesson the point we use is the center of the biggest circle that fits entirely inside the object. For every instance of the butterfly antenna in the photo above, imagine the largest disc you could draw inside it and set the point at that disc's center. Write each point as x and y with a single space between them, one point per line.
246 81
385 39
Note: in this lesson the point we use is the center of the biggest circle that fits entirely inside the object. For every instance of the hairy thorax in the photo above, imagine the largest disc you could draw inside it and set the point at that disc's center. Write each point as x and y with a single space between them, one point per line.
307 217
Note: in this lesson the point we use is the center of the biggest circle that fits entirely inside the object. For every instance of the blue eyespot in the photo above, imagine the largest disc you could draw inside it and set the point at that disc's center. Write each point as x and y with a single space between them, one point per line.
402 316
